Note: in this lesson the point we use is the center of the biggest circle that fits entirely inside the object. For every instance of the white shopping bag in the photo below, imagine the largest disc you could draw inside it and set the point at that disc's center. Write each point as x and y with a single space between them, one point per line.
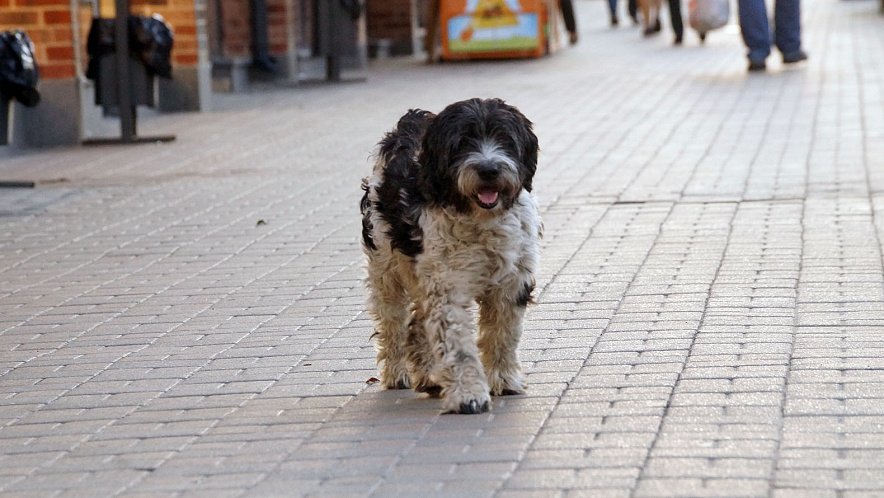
706 15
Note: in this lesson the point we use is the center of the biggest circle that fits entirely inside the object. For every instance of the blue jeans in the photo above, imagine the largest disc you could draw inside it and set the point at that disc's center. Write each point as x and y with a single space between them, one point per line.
632 7
756 31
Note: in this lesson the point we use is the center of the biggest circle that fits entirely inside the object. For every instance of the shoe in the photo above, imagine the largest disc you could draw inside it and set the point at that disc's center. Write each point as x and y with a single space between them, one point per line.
572 37
792 58
678 40
757 66
614 21
657 25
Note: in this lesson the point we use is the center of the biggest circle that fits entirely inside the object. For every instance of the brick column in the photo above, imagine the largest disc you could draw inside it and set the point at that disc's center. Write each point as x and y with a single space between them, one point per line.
390 20
235 57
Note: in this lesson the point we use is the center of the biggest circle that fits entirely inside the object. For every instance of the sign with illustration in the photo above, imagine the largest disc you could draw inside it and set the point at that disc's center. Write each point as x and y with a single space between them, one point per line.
495 28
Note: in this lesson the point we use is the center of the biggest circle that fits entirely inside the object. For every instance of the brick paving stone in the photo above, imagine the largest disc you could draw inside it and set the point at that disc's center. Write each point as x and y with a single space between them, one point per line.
710 295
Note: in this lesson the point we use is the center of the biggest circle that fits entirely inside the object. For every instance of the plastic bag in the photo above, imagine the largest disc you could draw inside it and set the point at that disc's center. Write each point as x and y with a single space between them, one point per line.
18 68
706 15
150 41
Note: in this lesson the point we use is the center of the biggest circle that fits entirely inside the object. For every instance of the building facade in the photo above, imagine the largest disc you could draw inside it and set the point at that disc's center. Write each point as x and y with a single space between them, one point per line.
219 45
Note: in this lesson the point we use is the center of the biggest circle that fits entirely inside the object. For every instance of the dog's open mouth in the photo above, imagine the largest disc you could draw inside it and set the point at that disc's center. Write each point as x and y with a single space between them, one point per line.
487 198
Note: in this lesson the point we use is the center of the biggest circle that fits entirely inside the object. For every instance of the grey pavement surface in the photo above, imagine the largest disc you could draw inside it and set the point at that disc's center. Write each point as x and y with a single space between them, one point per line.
188 319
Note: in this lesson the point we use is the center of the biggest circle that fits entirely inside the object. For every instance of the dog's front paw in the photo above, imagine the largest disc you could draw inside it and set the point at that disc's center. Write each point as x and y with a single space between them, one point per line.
461 401
472 408
469 407
395 377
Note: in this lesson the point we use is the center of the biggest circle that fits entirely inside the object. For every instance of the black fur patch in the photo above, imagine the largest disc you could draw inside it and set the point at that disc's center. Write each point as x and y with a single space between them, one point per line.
365 209
525 297
399 199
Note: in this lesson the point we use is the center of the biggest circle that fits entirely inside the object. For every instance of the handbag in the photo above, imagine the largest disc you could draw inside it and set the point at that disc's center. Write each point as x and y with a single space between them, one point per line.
707 15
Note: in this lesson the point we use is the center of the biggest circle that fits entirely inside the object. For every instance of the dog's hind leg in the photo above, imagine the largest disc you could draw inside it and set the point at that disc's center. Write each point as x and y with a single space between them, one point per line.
500 328
388 304
421 361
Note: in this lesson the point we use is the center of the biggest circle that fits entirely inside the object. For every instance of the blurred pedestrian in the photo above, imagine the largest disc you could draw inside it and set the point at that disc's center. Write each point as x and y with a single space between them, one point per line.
676 20
567 9
651 13
754 25
632 7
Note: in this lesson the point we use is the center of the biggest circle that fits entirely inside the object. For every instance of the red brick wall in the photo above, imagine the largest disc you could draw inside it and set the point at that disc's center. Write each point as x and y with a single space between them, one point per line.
390 19
236 25
236 19
48 23
277 30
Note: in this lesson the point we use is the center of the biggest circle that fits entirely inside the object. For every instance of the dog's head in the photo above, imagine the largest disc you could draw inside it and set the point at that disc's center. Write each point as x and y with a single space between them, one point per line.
477 154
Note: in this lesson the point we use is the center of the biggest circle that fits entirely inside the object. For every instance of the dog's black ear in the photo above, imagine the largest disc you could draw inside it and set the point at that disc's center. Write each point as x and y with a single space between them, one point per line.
436 179
398 193
522 130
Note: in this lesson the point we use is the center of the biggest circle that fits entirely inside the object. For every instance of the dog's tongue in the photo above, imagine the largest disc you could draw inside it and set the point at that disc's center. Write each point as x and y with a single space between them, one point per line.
487 196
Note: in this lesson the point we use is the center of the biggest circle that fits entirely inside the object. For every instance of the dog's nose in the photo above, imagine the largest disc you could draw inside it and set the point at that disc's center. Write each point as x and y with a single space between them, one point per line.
488 170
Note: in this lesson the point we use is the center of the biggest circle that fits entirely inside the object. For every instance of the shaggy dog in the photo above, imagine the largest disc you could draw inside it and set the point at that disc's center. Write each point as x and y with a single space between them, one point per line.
449 220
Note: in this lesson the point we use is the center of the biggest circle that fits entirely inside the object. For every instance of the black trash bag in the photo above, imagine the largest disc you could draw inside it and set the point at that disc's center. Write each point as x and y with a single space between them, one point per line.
150 41
99 43
18 68
353 8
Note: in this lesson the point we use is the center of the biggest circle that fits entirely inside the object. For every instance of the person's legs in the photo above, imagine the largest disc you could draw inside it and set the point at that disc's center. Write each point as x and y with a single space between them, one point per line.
755 29
568 15
612 6
787 29
633 10
675 17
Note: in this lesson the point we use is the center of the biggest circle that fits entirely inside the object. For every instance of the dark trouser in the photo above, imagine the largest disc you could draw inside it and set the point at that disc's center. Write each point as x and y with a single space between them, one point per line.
632 7
756 31
675 15
568 14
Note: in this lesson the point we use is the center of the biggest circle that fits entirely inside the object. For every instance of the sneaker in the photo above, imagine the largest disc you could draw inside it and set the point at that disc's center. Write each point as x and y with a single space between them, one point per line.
794 57
755 66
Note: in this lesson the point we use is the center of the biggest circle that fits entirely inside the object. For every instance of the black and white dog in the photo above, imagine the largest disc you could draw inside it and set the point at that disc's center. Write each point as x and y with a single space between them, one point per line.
449 220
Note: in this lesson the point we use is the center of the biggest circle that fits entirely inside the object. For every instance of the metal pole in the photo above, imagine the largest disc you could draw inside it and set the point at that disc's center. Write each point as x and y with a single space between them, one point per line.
4 119
125 98
124 77
333 67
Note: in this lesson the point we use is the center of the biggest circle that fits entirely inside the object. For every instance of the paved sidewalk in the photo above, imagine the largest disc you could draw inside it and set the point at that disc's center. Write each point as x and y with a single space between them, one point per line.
188 320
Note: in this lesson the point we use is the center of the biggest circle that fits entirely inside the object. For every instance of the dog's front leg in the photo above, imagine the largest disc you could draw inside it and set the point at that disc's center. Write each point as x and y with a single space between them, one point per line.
500 328
458 370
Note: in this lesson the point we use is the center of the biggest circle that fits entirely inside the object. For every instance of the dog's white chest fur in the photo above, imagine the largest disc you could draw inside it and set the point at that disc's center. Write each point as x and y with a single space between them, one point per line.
484 251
